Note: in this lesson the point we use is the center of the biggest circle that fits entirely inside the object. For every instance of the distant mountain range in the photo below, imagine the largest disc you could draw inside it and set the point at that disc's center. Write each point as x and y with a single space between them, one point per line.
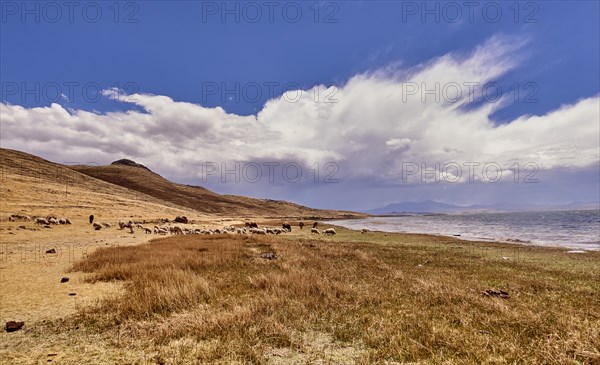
434 207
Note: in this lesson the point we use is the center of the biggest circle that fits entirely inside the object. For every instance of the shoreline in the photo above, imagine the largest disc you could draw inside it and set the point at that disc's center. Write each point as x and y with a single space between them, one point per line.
588 247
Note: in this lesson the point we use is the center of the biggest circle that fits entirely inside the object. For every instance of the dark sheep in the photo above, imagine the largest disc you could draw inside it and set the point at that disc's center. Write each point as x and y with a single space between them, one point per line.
315 225
91 218
287 227
301 224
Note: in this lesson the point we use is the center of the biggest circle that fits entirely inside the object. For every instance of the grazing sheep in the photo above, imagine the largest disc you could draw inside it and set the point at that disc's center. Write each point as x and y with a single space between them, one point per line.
251 224
106 225
140 226
97 226
131 228
147 230
287 227
301 225
62 221
52 220
177 230
19 217
41 221
364 230
258 231
122 225
91 218
314 231
329 232
270 230
315 225
68 221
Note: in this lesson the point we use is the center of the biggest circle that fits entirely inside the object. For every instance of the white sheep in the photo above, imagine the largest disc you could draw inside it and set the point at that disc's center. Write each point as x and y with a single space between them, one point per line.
52 220
67 221
41 221
106 225
314 231
329 232
122 225
258 231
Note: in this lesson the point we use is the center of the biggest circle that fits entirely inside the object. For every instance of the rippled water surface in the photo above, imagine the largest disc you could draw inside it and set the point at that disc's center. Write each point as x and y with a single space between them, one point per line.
573 229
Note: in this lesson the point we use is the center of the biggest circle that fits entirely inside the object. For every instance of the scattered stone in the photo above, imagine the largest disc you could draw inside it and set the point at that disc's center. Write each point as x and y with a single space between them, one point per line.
51 251
64 280
50 355
576 251
456 235
47 226
22 227
505 258
72 294
268 255
12 326
496 293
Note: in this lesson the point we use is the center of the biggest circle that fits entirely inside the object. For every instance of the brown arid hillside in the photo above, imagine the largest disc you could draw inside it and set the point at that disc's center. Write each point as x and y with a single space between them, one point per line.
34 186
139 178
31 186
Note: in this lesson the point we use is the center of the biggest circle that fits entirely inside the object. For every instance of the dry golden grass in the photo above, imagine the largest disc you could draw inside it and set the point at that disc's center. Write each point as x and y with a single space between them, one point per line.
351 298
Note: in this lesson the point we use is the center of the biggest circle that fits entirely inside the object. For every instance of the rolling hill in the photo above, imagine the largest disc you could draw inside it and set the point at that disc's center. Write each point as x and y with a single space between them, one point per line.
124 188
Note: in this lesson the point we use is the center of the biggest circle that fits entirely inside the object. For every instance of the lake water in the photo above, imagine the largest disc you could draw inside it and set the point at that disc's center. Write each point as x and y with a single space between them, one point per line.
572 229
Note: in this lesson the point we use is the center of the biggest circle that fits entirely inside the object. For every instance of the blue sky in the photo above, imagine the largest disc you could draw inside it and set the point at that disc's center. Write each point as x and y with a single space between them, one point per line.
176 49
183 49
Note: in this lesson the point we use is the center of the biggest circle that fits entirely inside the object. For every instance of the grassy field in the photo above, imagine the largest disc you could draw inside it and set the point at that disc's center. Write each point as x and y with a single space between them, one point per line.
350 298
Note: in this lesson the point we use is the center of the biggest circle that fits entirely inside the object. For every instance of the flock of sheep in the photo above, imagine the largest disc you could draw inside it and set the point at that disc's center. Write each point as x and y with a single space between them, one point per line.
43 221
250 227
